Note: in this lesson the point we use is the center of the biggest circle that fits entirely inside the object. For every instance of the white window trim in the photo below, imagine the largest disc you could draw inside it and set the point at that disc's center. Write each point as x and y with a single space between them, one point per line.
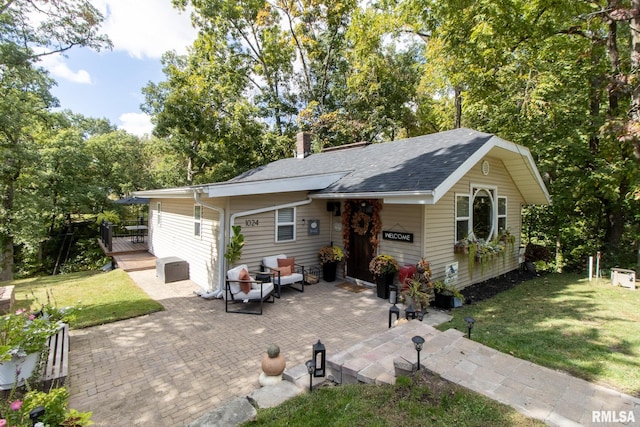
279 224
197 221
506 211
158 213
461 218
474 188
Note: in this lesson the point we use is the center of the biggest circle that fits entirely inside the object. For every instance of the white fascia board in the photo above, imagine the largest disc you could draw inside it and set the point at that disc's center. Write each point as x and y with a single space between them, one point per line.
494 142
280 185
396 197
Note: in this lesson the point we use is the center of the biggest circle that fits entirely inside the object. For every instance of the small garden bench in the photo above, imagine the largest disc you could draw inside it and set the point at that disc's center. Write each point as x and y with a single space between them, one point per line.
57 364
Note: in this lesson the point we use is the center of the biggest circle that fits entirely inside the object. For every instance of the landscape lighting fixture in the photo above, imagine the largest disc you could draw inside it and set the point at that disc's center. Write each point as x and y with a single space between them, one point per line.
310 368
470 321
418 341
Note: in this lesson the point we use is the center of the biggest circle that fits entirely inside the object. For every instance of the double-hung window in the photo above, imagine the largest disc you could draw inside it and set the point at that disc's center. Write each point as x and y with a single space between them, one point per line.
463 216
285 225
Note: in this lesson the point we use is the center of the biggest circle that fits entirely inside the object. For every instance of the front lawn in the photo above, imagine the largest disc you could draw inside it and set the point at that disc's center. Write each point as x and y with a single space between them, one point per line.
103 297
588 329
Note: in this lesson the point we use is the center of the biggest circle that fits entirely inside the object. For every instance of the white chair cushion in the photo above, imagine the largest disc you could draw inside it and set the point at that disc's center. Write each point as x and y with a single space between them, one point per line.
287 280
272 261
253 294
234 274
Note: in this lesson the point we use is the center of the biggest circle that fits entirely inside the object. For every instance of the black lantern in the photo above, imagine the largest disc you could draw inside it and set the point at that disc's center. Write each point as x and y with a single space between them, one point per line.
310 368
393 310
418 341
320 353
470 321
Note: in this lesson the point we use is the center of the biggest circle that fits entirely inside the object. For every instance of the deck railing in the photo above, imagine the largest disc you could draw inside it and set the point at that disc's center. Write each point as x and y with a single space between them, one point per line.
109 230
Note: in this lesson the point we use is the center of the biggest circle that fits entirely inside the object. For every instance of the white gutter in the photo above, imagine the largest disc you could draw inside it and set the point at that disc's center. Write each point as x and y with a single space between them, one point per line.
221 245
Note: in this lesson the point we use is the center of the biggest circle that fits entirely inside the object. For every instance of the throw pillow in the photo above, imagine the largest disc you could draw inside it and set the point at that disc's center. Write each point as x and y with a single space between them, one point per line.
284 271
245 281
283 262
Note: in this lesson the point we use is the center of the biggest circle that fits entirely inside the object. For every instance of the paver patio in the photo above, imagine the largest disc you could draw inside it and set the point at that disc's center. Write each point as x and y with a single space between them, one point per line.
168 368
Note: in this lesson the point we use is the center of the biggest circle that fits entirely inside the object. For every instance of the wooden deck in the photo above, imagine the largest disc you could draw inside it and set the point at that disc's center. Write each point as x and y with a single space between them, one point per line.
130 256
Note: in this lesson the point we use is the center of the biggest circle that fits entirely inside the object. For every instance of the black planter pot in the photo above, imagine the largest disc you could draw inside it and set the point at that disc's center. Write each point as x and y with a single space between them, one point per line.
329 271
445 301
383 284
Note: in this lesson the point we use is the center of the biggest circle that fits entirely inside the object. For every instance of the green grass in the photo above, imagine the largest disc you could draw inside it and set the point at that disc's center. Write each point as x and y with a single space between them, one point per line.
103 297
588 329
415 401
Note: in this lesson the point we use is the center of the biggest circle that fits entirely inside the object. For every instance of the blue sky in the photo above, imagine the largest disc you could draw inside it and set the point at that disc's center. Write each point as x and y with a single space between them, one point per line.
109 83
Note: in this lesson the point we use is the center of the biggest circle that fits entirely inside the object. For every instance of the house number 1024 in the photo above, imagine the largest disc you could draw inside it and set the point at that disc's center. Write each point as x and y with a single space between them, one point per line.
251 222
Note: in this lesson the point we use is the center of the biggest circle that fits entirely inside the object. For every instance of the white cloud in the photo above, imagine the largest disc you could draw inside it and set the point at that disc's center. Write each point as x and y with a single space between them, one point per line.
58 68
146 28
136 123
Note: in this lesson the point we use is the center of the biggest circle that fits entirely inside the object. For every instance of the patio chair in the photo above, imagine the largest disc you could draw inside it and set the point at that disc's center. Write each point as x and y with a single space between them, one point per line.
241 288
285 272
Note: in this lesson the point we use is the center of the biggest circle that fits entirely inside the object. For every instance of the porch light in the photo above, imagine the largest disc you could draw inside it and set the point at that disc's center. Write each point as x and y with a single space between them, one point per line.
470 321
418 341
310 368
319 356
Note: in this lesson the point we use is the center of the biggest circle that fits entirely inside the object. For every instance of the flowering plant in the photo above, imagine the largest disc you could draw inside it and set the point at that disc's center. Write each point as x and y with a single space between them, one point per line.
19 411
24 332
383 264
330 254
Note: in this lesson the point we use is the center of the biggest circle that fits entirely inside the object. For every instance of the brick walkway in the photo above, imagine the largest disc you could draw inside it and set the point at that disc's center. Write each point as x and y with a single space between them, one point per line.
168 368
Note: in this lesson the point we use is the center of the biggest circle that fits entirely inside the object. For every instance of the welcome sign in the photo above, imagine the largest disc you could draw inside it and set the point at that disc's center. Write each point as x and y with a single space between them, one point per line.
397 236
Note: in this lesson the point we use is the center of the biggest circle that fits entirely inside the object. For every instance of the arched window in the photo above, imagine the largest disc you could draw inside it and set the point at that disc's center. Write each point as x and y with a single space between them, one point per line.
483 214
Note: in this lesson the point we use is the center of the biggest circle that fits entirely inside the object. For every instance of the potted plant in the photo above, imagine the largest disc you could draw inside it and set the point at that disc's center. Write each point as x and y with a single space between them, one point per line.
446 296
23 336
330 256
419 292
384 268
234 248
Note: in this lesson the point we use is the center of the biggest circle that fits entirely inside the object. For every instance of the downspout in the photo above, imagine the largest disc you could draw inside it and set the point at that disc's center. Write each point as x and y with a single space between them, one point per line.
221 245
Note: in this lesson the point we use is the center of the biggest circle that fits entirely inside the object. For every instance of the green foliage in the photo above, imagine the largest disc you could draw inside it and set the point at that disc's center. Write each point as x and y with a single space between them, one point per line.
55 403
234 248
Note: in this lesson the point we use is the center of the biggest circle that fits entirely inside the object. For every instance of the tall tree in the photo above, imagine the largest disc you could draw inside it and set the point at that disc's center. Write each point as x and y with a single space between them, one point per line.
24 90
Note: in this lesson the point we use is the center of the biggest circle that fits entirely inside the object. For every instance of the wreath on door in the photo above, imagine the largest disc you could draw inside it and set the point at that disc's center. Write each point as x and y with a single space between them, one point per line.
360 223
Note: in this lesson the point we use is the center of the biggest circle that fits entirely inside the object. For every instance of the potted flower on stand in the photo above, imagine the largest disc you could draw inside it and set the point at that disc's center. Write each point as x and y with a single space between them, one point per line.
384 268
23 337
330 256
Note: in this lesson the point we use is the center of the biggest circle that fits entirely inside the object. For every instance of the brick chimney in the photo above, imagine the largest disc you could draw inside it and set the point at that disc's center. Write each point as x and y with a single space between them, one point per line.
303 145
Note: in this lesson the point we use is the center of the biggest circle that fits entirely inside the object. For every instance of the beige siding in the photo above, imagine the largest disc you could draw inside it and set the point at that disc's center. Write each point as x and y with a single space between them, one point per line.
440 226
260 229
407 219
174 236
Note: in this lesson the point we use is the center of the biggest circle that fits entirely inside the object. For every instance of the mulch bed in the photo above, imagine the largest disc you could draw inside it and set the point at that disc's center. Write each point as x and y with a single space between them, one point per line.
489 288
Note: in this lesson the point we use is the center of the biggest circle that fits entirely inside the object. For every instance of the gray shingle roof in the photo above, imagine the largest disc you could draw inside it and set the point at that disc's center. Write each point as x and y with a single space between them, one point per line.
414 164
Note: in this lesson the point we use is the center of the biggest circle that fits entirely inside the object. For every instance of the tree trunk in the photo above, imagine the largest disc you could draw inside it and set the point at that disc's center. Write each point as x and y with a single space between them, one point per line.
6 236
457 122
634 112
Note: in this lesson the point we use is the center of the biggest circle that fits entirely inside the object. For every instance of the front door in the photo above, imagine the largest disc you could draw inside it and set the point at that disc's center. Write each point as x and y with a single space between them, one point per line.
360 248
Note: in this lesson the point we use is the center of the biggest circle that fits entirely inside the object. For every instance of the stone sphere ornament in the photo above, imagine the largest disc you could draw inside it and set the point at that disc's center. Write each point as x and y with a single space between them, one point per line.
273 365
